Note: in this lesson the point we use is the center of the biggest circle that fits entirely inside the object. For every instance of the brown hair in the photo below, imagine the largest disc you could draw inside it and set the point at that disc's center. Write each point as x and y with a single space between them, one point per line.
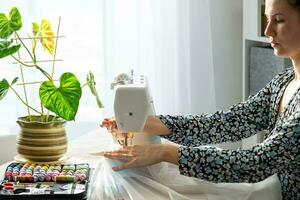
295 4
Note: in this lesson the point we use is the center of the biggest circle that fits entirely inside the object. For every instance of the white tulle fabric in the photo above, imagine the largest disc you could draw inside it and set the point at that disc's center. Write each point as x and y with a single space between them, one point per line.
163 181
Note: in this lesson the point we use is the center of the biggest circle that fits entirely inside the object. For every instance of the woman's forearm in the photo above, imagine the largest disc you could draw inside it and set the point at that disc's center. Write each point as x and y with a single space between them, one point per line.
169 153
154 126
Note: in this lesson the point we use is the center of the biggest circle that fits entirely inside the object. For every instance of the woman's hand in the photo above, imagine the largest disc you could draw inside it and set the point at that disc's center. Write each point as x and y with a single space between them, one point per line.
143 155
111 125
121 137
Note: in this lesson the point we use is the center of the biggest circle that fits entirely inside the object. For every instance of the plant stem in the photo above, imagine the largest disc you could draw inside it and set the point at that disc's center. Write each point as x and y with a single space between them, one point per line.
84 85
36 66
33 59
44 72
24 101
22 63
24 88
42 112
24 46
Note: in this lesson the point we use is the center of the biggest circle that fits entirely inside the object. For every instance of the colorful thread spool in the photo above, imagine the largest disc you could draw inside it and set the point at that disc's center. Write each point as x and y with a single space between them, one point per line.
65 179
29 172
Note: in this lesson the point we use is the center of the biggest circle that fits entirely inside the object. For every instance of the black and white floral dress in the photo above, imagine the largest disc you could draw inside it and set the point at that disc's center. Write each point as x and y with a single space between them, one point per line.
278 153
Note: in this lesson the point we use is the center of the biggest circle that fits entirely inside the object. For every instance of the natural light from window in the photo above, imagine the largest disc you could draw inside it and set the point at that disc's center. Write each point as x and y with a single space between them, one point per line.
80 50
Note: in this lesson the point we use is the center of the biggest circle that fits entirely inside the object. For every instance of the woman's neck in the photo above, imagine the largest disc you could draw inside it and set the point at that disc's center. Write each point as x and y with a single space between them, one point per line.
296 66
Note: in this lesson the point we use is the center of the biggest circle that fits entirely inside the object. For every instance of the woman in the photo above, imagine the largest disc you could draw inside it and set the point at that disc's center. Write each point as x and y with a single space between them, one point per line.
276 108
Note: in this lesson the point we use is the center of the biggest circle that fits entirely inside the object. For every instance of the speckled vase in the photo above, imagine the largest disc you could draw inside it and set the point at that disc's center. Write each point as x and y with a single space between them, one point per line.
41 139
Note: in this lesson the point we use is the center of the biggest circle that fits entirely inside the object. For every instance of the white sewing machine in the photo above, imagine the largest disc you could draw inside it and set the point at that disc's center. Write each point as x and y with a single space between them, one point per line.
132 105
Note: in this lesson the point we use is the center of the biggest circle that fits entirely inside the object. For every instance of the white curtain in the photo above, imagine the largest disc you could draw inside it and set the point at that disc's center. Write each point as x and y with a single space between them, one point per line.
168 41
190 50
81 51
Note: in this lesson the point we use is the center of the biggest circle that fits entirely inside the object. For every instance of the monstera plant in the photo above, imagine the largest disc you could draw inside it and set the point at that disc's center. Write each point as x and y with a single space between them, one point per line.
62 100
42 137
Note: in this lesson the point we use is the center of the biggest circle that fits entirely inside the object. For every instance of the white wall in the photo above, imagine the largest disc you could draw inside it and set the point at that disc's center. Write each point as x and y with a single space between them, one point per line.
226 38
226 26
202 95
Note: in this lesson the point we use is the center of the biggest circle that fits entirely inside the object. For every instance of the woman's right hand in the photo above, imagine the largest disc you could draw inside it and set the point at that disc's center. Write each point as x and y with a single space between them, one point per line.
111 125
121 137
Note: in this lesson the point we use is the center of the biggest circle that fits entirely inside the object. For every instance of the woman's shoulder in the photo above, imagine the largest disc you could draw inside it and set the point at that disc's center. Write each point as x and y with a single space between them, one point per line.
278 81
283 75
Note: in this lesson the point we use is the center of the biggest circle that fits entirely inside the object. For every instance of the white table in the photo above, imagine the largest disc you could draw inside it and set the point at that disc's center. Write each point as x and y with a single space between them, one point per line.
99 140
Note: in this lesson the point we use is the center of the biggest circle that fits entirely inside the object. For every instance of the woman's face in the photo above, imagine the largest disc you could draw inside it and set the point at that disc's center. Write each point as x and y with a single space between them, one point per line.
283 28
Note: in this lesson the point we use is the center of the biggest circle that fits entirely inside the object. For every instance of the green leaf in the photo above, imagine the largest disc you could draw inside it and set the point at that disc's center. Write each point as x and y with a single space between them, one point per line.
14 81
35 28
6 49
4 87
64 100
5 43
15 19
3 20
91 83
35 31
8 26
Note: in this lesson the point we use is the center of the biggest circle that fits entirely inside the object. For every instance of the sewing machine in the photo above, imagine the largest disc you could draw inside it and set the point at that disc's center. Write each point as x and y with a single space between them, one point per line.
132 105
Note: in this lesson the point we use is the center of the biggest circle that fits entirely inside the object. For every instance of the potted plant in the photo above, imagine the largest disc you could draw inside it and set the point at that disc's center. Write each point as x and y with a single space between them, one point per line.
42 136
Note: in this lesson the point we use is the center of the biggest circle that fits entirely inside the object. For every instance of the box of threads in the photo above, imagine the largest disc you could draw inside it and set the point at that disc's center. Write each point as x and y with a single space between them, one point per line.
45 181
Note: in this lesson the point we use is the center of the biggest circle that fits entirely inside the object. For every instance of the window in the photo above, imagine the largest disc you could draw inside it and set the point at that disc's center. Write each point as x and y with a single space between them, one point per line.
80 50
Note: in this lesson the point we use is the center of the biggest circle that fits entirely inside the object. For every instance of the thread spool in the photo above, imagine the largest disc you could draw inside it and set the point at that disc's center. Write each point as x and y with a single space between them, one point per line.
26 179
65 179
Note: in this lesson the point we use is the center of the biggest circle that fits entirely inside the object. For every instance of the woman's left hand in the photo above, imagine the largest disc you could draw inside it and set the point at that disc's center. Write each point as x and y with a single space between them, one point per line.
143 155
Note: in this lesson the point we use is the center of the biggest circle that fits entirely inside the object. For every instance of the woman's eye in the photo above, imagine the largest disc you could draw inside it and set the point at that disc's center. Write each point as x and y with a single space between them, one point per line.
279 20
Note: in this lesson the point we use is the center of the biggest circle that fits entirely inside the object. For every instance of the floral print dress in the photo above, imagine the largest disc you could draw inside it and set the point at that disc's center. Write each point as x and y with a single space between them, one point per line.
278 153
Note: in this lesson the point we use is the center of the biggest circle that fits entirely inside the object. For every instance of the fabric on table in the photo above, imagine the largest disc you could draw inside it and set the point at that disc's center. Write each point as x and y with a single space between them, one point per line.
164 181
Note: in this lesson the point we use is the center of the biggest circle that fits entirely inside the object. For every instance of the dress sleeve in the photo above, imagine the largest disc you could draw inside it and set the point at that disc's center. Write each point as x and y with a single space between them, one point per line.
240 121
275 154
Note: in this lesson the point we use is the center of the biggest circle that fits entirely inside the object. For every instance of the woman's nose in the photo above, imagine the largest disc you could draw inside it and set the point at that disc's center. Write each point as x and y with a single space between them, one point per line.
269 32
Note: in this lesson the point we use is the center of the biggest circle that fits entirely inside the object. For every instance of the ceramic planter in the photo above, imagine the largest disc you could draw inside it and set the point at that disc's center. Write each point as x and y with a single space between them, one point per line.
41 141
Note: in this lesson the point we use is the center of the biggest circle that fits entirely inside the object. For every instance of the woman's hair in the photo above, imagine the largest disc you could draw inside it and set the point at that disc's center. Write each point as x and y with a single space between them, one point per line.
295 4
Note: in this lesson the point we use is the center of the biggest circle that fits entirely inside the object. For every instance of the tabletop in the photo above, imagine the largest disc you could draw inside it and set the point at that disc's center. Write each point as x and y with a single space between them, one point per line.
159 182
